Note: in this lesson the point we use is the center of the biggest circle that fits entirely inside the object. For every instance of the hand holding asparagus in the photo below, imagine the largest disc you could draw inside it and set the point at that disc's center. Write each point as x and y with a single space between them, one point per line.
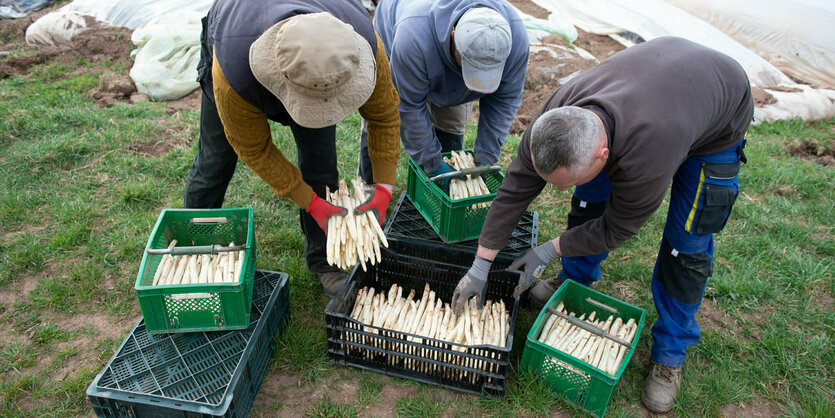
354 237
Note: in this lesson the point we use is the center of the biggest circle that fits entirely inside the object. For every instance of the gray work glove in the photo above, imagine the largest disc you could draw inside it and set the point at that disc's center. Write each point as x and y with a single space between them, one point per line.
534 260
474 283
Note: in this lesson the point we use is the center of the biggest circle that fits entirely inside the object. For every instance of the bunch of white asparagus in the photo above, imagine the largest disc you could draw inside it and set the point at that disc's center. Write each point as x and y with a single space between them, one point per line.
199 269
599 351
460 189
430 317
353 237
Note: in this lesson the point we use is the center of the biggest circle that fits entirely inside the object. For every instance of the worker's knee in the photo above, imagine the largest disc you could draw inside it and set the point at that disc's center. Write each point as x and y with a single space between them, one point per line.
683 275
582 211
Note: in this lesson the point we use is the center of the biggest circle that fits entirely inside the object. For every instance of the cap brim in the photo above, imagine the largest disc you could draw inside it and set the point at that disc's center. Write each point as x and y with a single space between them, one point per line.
482 79
306 109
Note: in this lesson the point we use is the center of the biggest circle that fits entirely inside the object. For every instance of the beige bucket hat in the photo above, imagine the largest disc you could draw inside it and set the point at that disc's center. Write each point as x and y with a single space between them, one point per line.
318 66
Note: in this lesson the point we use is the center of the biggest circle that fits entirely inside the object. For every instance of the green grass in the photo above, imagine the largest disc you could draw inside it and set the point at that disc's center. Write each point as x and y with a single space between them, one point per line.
78 201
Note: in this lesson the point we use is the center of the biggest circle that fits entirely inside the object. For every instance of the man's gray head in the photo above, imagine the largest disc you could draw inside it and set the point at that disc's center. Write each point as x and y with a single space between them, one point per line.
564 137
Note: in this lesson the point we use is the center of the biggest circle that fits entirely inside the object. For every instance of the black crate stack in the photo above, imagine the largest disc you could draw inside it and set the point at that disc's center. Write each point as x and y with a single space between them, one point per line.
416 256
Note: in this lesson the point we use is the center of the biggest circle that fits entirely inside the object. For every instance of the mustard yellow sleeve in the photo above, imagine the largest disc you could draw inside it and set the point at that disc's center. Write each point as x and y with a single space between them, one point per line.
380 111
248 131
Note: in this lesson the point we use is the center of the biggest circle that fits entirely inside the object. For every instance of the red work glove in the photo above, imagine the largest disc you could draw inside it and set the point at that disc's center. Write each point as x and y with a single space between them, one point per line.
378 200
321 210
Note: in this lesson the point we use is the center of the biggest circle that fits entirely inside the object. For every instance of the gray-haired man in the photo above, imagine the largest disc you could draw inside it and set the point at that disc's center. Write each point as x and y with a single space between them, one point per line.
665 111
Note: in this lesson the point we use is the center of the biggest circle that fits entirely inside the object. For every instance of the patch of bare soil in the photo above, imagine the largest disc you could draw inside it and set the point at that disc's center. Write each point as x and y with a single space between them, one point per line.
551 63
762 97
297 399
600 46
712 318
190 101
18 290
548 67
84 344
530 8
101 43
756 408
13 31
113 88
95 45
822 299
813 150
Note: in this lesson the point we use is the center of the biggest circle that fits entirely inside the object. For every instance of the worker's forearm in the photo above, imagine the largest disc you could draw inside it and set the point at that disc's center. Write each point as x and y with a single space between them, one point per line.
389 187
556 242
486 253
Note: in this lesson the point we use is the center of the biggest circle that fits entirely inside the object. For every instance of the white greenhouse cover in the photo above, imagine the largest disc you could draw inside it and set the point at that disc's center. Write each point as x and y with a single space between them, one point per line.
769 38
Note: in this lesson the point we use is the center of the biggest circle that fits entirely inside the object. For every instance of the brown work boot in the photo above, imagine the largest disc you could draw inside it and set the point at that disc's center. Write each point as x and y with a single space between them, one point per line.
661 388
543 291
332 282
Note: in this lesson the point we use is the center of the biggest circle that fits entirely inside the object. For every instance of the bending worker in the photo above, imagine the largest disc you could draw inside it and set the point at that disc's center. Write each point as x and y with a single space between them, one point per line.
307 65
444 55
661 112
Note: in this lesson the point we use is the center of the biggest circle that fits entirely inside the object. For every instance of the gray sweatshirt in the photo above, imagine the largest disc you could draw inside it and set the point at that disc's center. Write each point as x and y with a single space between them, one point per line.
661 102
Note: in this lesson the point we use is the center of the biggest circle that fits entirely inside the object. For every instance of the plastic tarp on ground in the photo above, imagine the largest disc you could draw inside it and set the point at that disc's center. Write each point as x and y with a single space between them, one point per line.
654 18
59 27
797 36
135 14
15 9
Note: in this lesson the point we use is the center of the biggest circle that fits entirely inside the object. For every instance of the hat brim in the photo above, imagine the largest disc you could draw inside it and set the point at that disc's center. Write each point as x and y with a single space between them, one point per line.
322 108
480 78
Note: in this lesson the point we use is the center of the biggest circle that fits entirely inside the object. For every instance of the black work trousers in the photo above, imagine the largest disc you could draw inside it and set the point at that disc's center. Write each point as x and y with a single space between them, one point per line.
215 162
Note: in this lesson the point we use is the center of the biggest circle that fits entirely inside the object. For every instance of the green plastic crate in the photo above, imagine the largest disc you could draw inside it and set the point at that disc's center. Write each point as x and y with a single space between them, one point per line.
575 380
198 307
453 220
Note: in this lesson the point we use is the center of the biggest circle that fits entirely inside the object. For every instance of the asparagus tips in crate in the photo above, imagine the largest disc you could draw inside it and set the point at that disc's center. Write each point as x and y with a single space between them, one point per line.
430 317
224 267
592 345
461 189
353 237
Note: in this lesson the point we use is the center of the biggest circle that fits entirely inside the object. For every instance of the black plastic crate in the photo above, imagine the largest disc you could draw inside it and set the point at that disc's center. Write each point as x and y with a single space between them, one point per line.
408 233
428 360
196 374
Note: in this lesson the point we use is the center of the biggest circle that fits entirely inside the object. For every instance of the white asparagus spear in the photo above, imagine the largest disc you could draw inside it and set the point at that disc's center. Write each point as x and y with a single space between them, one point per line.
573 337
168 266
239 267
601 343
607 344
543 334
611 366
358 301
622 352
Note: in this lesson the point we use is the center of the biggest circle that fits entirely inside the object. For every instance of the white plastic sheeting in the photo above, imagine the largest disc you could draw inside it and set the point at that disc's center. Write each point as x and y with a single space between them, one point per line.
59 27
655 18
165 63
540 28
797 36
135 14
166 33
